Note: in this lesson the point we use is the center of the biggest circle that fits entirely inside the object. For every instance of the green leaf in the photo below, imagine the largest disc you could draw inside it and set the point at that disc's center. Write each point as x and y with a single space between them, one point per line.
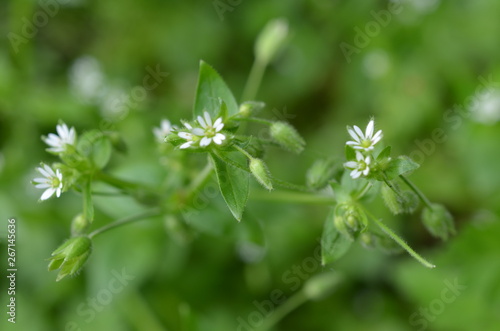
211 88
101 152
386 152
233 183
399 166
334 244
438 221
88 206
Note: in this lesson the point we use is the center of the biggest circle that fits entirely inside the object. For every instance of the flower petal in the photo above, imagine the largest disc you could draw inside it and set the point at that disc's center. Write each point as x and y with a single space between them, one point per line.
186 145
355 173
353 135
202 122
185 135
205 141
208 119
369 129
219 137
198 132
42 185
351 164
47 194
359 132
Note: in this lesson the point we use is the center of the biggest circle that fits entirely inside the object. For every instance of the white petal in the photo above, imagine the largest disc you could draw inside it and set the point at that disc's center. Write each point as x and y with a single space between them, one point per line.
47 194
352 143
359 132
205 141
355 174
208 119
42 185
202 122
185 135
187 125
219 137
43 172
217 122
49 170
186 145
368 160
198 132
351 164
353 135
366 171
72 136
369 129
359 156
58 192
62 130
377 137
358 147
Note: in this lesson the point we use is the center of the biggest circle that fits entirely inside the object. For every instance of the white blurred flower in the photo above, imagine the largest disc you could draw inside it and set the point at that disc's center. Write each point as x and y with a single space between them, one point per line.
58 142
360 166
366 141
163 131
87 79
486 107
211 131
52 182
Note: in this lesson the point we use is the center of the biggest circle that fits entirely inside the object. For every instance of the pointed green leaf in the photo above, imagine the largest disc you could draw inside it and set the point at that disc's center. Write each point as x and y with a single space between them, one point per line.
233 183
399 166
101 152
334 244
386 152
211 88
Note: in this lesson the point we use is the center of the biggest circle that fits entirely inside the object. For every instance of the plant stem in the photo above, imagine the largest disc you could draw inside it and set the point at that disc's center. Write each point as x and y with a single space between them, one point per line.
115 182
255 120
363 191
400 241
415 189
281 311
293 197
254 80
290 186
148 214
250 157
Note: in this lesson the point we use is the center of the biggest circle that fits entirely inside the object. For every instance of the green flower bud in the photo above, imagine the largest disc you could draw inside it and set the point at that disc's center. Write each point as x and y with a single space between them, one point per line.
271 40
438 221
322 285
350 220
249 108
320 173
380 241
70 256
287 137
79 225
399 201
261 173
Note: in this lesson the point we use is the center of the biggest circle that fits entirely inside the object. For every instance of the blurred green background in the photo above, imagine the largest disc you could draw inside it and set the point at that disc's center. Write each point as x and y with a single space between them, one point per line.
418 70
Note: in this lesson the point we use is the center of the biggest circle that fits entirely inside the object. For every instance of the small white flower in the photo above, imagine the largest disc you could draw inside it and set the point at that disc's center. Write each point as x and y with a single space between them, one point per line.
164 130
360 166
366 141
58 142
211 131
191 137
52 181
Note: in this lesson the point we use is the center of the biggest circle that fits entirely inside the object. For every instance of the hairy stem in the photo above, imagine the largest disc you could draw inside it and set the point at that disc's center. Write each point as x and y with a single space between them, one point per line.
254 80
415 189
292 197
281 311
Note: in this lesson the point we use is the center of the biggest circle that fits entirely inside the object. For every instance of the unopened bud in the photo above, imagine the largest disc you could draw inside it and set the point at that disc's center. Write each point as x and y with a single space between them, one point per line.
79 225
322 285
261 173
249 108
399 201
438 221
271 40
287 137
380 241
71 256
349 220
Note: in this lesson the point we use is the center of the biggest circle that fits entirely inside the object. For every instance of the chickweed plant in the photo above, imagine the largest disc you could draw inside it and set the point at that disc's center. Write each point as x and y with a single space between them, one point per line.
218 129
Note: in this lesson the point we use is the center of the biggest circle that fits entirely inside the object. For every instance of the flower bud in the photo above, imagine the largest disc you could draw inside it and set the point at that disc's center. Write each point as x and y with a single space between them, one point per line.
271 40
380 241
287 137
79 225
399 201
70 256
249 108
321 285
320 173
438 221
349 220
261 173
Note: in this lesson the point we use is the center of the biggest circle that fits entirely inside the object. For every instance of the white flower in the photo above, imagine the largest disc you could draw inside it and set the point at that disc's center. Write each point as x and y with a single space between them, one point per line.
366 141
52 182
164 130
211 131
360 166
58 142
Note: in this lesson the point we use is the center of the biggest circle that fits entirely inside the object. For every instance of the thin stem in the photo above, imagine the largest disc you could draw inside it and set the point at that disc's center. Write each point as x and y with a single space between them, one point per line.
230 162
289 185
200 180
363 191
148 214
254 80
250 157
415 189
115 182
108 194
292 197
400 241
281 311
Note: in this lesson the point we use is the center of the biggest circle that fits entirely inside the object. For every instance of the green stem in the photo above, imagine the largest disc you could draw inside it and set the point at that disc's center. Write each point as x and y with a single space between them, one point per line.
200 180
281 311
115 182
363 191
230 162
250 157
400 241
254 80
254 120
292 197
415 189
289 185
148 214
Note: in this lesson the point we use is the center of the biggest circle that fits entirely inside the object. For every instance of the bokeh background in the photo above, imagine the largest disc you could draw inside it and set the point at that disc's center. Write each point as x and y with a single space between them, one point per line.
419 71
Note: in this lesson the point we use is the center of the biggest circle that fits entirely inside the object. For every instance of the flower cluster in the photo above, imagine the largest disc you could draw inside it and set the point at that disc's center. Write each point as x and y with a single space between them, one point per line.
59 142
52 182
363 144
204 134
